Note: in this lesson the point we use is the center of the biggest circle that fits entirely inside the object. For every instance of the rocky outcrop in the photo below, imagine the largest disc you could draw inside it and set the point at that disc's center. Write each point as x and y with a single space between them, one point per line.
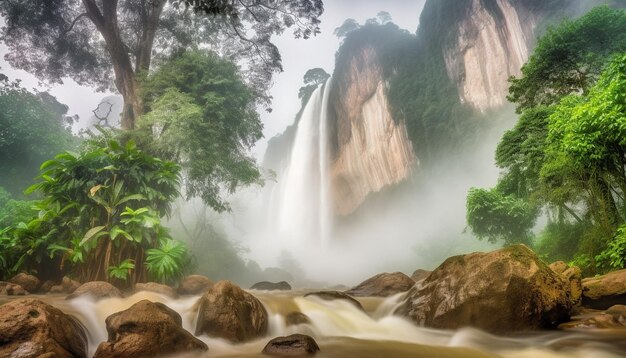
147 329
32 328
612 318
96 290
157 288
335 295
29 282
227 311
604 291
271 286
373 150
293 345
466 290
383 285
572 275
419 275
492 43
194 285
11 289
67 286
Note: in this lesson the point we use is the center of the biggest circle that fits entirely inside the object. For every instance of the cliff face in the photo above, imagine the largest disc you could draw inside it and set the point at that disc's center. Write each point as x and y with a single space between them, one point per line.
372 150
492 44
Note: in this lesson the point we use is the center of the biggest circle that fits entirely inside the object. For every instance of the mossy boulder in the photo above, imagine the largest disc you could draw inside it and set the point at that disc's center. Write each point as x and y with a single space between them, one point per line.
501 292
604 291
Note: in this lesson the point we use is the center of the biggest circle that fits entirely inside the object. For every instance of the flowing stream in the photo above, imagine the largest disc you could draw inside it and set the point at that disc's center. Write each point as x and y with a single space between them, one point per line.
342 330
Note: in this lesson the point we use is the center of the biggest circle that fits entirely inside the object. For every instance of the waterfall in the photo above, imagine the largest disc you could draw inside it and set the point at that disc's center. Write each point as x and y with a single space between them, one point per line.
301 199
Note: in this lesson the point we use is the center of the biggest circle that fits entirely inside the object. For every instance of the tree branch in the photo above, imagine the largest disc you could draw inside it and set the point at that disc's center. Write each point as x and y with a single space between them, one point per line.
84 14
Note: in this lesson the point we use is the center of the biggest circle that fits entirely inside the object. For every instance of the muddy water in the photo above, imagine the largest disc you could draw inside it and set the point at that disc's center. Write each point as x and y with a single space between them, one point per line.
342 330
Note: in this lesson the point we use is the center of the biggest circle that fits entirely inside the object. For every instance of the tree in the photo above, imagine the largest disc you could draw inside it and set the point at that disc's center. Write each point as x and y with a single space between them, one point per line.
202 116
99 43
348 26
312 78
569 58
32 126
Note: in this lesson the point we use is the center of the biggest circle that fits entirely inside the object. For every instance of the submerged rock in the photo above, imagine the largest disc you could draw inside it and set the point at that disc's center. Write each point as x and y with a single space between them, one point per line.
96 290
383 285
572 275
194 285
11 289
29 282
157 288
271 286
293 345
227 311
296 318
335 295
604 291
147 329
419 275
501 291
32 328
613 318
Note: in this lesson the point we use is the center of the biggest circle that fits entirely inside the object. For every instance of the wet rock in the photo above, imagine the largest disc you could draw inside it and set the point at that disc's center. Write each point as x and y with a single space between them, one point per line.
604 291
612 318
271 286
97 290
66 286
293 345
227 311
11 289
29 282
501 291
383 285
32 328
296 318
335 295
157 288
572 275
147 329
46 286
419 275
194 285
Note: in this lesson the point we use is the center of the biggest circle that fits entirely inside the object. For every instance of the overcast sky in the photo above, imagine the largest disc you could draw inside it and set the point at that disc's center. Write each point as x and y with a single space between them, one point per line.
298 56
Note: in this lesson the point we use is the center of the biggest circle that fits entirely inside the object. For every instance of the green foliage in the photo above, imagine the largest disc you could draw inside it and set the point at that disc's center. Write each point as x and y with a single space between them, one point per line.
569 58
121 271
494 216
614 256
101 208
203 116
167 262
30 130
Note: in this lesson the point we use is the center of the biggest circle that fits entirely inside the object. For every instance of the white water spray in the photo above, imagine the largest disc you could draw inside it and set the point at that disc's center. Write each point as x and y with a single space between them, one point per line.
300 201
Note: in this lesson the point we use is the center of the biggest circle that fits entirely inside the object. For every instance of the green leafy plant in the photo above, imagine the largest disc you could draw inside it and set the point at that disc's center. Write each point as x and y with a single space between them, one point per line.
166 263
614 256
121 271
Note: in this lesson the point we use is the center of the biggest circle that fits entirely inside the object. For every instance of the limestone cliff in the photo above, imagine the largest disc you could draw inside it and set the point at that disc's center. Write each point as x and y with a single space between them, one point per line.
372 149
492 44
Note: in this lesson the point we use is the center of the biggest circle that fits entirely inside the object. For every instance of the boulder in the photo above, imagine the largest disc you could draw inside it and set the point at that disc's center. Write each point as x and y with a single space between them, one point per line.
227 311
613 318
293 345
271 286
32 328
194 285
96 290
46 286
501 291
383 285
29 282
156 287
419 275
604 291
147 329
572 275
11 289
296 318
335 295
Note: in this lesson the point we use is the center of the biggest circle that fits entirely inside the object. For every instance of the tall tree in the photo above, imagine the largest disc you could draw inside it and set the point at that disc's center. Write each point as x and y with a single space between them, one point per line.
105 42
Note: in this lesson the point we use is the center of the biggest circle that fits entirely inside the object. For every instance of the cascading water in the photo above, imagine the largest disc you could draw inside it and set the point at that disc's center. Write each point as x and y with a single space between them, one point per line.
300 200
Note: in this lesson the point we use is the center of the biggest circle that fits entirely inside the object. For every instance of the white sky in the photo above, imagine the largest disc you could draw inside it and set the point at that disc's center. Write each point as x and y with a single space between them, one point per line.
298 56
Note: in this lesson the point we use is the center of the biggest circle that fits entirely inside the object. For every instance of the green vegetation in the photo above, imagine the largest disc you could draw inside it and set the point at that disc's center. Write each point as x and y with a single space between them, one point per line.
566 156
